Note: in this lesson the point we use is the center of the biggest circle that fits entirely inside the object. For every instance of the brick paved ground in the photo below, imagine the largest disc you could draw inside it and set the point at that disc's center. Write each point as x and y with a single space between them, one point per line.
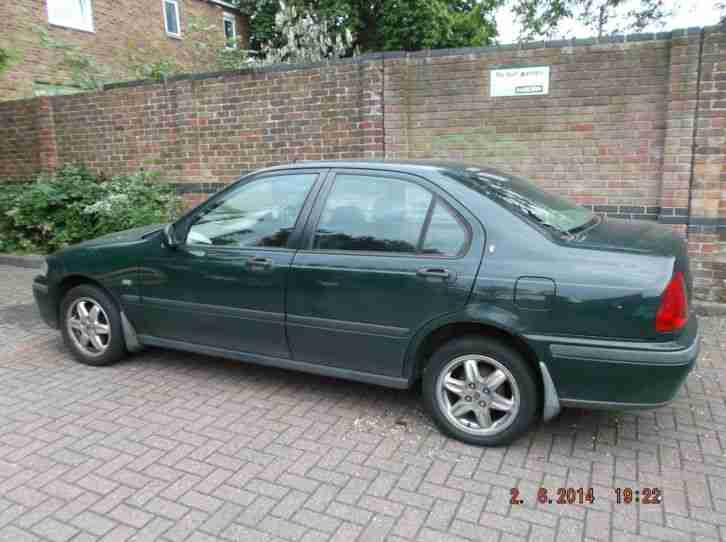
180 447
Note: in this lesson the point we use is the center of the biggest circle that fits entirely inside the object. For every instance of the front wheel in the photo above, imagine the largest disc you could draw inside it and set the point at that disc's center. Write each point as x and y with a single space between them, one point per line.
480 391
91 326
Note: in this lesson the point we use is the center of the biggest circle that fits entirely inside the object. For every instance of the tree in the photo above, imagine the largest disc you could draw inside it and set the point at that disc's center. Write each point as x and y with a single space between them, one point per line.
546 18
385 25
305 38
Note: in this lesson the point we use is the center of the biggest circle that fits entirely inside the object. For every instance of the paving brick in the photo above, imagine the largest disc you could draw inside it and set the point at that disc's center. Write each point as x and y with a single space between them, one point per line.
318 521
194 499
55 530
93 523
409 523
130 516
13 534
222 518
290 504
377 529
282 528
168 509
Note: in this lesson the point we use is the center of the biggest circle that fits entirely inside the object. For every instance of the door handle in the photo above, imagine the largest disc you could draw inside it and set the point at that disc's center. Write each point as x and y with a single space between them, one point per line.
257 262
434 273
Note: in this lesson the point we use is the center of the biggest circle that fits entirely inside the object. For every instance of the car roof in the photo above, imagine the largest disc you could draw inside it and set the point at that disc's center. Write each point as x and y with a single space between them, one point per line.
409 166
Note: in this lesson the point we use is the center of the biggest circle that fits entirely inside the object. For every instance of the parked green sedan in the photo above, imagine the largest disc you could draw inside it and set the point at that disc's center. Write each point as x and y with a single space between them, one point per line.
505 301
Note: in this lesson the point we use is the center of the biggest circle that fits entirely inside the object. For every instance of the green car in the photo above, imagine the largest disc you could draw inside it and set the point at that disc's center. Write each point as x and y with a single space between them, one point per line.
505 302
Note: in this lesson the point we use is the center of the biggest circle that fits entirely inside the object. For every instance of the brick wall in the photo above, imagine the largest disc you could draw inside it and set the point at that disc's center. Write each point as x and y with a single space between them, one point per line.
120 26
632 129
209 129
597 137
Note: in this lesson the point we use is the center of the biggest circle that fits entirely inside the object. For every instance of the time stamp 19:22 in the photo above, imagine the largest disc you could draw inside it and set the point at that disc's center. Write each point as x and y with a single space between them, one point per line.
581 495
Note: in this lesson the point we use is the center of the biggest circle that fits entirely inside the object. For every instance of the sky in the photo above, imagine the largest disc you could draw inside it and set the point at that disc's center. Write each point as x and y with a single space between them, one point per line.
685 13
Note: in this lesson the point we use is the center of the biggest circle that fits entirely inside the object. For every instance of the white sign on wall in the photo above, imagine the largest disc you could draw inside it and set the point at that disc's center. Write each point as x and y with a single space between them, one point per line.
519 81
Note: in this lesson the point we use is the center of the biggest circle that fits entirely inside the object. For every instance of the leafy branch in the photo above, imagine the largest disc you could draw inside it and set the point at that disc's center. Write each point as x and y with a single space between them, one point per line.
85 72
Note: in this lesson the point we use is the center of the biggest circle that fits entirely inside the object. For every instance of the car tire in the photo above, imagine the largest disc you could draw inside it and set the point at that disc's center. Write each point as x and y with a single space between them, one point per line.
480 391
91 326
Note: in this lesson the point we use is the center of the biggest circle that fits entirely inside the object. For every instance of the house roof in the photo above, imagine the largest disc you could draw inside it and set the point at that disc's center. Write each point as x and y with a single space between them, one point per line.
228 5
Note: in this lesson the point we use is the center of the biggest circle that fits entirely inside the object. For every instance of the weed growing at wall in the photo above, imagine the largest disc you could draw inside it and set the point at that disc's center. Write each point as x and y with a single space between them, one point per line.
74 205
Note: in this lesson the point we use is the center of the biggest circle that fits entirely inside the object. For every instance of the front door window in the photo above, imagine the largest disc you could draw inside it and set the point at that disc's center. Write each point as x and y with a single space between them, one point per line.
261 213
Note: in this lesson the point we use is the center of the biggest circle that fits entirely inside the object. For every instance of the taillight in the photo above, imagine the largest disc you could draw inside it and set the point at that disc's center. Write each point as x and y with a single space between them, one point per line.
673 311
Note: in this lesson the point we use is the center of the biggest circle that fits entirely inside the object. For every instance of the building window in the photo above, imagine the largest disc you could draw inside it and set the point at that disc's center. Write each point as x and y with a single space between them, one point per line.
76 14
230 31
171 18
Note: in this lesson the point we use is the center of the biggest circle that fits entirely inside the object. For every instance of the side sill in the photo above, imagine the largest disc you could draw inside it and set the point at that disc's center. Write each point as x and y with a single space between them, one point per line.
270 361
610 405
551 407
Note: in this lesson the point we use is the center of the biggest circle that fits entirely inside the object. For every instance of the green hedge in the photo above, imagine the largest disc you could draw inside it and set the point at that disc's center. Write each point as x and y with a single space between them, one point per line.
73 205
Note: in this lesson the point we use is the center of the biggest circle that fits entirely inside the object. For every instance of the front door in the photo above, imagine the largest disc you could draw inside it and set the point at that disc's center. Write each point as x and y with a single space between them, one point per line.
383 254
225 286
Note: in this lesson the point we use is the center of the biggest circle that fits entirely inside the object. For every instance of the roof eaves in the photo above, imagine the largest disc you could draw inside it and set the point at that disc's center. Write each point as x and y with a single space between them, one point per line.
228 5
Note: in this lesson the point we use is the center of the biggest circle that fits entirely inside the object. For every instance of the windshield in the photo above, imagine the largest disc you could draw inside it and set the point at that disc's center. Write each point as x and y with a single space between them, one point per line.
526 199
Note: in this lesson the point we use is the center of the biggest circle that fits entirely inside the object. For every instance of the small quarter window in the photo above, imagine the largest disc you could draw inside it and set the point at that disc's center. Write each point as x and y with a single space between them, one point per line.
230 31
446 235
71 14
171 18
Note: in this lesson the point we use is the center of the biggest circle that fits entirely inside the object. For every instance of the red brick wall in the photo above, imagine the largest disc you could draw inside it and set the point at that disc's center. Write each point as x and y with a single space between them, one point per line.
632 129
597 136
211 129
120 25
707 237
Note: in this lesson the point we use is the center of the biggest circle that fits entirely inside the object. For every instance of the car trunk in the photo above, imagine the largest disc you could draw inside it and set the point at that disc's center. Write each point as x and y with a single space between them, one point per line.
640 237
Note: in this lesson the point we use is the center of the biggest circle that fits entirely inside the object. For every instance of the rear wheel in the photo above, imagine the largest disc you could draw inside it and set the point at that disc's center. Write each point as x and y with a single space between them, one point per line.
480 391
91 326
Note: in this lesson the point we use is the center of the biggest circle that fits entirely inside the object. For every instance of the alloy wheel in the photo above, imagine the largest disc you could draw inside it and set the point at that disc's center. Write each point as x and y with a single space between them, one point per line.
478 394
89 326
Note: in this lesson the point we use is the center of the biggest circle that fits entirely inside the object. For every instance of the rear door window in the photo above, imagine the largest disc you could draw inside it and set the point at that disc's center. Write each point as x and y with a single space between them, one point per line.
368 213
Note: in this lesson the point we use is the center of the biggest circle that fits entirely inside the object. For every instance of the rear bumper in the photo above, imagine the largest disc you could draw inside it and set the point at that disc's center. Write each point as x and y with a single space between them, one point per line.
45 302
619 375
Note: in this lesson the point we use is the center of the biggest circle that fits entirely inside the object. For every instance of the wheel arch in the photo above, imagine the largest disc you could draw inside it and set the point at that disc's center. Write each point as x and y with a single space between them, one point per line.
443 333
427 344
72 280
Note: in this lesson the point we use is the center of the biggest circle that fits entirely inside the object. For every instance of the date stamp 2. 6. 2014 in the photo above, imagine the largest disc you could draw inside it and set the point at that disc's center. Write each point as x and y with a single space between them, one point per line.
584 496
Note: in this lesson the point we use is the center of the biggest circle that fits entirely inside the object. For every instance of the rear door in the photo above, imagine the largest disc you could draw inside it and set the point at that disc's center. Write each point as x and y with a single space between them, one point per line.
382 254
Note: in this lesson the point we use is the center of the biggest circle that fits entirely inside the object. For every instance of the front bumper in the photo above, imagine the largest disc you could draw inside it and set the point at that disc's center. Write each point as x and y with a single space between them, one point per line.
620 375
45 301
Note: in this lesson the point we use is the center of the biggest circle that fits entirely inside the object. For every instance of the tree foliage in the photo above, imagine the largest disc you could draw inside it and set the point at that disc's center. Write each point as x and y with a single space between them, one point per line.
74 205
384 25
305 38
86 73
546 18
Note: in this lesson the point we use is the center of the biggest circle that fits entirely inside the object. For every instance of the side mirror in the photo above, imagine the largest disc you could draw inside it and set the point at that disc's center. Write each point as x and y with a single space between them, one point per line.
169 239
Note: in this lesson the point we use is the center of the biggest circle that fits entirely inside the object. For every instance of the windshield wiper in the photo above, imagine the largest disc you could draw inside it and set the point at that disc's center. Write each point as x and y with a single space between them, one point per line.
594 221
528 208
564 233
